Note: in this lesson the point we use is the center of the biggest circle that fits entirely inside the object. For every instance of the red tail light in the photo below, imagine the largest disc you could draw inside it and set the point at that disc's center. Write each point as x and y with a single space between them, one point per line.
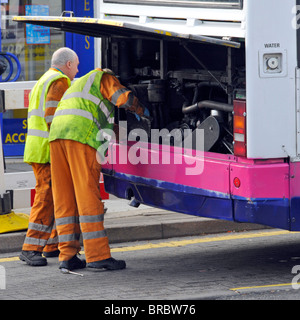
239 128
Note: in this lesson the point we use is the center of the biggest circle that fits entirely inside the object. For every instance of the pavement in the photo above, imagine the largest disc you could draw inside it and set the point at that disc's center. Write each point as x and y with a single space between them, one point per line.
124 223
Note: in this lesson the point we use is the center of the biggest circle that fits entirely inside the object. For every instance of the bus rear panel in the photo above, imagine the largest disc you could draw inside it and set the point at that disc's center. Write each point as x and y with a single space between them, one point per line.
243 98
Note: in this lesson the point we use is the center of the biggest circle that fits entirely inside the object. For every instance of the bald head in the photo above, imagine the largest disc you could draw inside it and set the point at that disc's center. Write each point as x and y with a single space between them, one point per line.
66 60
61 56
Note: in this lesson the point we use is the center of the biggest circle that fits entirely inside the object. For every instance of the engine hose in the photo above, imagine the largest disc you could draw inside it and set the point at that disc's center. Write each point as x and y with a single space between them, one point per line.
207 104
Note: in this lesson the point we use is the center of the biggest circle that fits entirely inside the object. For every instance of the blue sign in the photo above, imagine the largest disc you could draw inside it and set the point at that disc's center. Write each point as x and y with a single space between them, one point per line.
14 132
37 34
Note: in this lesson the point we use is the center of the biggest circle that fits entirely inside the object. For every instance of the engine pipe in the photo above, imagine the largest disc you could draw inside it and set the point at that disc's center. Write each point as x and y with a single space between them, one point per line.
214 105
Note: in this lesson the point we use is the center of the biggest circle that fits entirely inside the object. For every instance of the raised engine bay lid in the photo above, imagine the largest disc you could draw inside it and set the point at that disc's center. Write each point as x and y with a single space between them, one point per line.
107 28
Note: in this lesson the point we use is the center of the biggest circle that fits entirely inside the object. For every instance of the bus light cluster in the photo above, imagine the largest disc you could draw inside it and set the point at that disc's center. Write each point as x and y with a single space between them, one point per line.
239 128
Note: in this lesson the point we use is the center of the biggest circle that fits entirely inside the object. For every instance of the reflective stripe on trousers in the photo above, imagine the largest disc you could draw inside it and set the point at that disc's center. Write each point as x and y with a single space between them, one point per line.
79 220
78 206
41 234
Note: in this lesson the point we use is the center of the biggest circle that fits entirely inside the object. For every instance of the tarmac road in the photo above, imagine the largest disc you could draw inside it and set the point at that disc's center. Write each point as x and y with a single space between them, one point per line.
228 266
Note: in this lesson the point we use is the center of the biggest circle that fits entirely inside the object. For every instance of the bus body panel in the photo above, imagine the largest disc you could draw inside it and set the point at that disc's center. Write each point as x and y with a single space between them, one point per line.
295 196
270 93
125 11
263 195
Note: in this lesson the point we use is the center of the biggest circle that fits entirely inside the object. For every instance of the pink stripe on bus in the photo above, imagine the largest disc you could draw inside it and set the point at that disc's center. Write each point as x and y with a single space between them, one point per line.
258 179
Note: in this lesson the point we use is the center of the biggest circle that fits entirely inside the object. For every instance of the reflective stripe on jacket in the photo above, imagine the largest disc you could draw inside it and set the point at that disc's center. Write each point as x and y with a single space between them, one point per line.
37 142
83 113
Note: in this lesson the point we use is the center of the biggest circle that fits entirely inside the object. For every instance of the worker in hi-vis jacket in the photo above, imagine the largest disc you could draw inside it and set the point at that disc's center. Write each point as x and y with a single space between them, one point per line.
86 109
44 97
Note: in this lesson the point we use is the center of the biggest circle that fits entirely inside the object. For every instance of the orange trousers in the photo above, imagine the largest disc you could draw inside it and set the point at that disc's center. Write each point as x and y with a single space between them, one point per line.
41 234
78 205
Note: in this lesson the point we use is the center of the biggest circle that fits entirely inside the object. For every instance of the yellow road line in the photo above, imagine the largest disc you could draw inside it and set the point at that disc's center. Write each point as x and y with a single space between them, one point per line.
9 259
181 243
259 287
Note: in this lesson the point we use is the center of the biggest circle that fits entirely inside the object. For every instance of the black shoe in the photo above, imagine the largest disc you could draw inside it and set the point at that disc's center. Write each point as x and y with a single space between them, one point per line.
73 263
51 254
33 258
109 264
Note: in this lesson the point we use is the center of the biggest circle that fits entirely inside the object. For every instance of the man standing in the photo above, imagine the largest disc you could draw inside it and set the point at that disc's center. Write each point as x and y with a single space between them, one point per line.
44 97
86 109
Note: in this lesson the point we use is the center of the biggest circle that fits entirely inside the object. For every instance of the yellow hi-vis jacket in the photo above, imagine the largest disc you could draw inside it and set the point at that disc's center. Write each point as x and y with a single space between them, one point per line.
83 114
37 141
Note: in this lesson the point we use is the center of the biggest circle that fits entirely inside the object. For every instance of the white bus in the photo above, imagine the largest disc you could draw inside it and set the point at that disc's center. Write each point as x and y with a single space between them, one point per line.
230 68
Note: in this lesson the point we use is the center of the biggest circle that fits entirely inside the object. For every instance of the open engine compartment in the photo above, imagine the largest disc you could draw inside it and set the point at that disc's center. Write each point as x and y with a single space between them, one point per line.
184 84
